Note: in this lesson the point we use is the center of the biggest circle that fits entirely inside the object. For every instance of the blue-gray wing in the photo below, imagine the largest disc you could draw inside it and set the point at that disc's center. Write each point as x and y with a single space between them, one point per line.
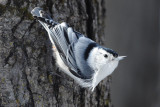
65 38
68 43
73 47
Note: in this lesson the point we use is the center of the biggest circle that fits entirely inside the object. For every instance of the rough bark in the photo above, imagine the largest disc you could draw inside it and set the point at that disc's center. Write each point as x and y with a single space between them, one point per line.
28 75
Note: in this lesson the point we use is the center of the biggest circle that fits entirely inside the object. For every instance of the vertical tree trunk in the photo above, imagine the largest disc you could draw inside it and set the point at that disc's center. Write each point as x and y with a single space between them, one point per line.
28 74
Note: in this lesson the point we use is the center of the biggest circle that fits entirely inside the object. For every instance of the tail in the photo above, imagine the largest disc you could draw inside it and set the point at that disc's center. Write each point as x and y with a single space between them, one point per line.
43 17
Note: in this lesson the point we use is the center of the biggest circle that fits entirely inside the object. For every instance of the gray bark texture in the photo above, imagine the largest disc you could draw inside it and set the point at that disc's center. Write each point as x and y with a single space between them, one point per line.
28 74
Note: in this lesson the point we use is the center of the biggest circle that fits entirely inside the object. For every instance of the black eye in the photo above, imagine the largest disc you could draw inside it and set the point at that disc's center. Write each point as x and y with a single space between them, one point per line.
105 55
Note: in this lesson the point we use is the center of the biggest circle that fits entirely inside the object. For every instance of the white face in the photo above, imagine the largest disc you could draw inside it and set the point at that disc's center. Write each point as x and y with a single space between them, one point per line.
106 61
104 58
100 58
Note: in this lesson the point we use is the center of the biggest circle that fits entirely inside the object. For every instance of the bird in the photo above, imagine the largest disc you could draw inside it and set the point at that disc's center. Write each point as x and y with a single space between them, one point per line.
84 60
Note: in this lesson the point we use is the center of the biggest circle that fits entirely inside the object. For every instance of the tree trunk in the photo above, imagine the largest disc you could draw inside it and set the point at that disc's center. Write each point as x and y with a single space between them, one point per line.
28 74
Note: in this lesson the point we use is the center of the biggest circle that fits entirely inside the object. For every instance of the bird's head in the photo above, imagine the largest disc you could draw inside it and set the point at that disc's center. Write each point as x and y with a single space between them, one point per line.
104 59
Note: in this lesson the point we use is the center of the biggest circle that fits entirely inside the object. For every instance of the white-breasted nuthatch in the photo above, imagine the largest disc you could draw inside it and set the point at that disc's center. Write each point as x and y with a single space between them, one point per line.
78 56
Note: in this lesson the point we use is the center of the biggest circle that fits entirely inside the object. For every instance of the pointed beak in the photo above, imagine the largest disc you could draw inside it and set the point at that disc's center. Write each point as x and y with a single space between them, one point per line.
120 58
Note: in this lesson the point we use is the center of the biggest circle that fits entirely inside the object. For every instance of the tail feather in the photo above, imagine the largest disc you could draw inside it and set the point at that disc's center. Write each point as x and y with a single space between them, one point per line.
42 16
35 11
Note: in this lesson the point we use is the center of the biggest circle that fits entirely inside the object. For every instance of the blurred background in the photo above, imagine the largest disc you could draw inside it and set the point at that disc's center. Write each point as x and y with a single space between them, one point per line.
132 29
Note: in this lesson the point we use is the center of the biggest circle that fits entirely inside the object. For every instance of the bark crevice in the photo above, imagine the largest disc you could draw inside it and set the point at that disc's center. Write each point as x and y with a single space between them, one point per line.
90 12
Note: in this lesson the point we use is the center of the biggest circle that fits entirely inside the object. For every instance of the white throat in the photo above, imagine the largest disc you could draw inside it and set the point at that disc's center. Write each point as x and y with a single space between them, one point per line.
103 73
